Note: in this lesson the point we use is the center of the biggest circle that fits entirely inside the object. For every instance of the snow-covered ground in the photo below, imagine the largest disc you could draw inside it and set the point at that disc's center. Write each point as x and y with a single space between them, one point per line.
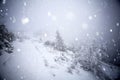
32 60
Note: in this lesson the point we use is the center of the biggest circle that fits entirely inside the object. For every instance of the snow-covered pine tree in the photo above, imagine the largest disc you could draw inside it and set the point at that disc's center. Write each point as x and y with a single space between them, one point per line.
59 44
6 38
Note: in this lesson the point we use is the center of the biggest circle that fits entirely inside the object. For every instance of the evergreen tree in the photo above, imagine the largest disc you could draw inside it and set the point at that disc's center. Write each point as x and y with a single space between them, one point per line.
59 44
6 39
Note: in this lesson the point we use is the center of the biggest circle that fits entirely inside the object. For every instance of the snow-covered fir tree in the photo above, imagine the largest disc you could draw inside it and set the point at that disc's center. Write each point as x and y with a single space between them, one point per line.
6 39
59 44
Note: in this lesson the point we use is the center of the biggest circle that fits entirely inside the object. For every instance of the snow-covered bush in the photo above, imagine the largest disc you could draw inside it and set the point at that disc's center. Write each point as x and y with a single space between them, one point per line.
58 44
49 43
90 57
88 54
6 38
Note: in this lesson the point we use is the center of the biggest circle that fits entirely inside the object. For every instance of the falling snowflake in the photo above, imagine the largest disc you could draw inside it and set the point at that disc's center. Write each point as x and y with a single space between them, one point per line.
97 33
18 50
49 13
13 19
90 17
21 77
95 15
1 10
114 59
104 69
4 79
87 34
117 24
111 30
114 44
25 20
76 39
4 2
18 66
25 4
6 9
45 35
6 14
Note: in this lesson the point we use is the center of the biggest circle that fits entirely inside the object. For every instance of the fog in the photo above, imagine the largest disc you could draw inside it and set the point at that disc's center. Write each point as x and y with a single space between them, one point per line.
72 18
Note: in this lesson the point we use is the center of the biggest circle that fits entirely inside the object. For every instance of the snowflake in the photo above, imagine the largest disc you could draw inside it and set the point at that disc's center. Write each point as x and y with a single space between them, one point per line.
95 15
21 77
118 54
4 79
87 34
76 39
13 19
4 2
97 33
6 9
114 59
18 50
49 13
45 35
25 20
111 30
18 66
6 14
117 24
114 44
90 17
113 40
1 10
104 69
25 3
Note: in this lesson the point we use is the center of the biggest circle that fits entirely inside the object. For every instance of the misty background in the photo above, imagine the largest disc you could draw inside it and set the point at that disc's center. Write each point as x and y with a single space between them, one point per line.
83 24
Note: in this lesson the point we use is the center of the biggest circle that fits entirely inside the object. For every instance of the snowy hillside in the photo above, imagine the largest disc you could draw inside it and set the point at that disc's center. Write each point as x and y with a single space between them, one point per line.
35 58
32 60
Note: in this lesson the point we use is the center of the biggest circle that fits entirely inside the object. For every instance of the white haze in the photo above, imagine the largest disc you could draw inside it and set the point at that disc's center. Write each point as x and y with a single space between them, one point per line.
74 19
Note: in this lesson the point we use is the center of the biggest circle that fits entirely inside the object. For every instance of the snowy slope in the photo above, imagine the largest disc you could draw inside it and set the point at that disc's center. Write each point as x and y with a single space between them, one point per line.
32 60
